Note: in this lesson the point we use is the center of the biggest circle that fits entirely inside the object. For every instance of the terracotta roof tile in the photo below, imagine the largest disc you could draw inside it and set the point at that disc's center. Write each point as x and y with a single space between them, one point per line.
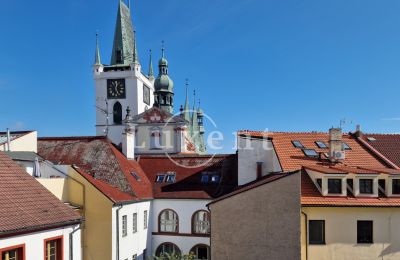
25 204
387 144
189 169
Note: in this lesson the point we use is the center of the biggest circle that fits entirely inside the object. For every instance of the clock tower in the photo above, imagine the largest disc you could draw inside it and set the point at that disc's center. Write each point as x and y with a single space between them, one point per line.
121 84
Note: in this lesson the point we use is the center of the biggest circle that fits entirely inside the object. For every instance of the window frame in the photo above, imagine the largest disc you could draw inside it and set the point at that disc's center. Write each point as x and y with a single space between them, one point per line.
145 219
316 242
134 223
172 175
201 245
179 251
159 221
20 247
60 240
341 186
124 226
194 224
362 187
117 113
393 185
365 241
300 144
160 176
321 145
306 150
156 135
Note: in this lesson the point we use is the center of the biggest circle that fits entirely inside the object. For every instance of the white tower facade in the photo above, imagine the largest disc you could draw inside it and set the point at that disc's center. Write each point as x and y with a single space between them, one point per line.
121 84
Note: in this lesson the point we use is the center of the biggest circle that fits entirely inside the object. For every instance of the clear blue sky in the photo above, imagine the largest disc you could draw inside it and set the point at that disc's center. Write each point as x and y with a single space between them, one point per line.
286 65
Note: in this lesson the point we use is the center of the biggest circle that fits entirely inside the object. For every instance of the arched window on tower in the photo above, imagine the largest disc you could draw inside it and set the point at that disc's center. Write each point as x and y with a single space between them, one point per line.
117 113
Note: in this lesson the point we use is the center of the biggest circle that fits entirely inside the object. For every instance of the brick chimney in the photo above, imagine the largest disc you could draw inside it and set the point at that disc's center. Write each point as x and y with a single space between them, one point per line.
336 151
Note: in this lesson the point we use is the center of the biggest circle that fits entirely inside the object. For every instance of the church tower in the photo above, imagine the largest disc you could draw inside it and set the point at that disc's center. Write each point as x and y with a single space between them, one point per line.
121 84
164 87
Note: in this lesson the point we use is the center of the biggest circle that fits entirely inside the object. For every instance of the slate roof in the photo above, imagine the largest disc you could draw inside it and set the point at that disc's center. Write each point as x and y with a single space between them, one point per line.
189 170
387 144
98 158
27 206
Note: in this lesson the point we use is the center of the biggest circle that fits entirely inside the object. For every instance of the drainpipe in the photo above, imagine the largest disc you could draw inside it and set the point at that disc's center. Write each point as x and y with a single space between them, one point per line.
71 243
8 140
117 248
306 233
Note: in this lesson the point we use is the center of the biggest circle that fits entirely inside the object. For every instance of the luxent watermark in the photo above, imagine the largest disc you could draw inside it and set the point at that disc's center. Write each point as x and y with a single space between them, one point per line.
178 136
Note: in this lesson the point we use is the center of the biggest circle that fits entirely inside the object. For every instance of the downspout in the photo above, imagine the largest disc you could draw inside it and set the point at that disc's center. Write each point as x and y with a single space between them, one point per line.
306 232
117 240
71 243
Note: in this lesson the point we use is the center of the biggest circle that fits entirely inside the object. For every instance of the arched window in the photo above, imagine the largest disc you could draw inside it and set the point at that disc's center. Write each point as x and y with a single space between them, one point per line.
167 248
117 113
201 222
156 138
168 221
201 252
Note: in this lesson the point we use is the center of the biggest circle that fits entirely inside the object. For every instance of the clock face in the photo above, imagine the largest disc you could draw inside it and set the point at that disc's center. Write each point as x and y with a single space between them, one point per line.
116 88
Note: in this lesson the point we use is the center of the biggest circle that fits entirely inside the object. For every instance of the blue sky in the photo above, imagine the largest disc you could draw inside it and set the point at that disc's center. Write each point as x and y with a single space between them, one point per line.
285 65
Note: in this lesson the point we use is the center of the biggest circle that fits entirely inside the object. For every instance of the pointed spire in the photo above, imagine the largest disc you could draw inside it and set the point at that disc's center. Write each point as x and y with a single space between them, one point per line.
135 53
186 109
123 47
151 71
163 49
97 59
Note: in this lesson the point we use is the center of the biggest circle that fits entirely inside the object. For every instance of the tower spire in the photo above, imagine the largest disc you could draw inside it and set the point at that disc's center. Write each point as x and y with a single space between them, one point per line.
186 109
151 71
97 59
135 54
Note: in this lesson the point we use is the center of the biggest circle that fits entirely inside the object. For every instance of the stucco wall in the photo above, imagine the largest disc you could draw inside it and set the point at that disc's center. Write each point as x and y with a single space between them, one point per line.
25 143
262 223
185 208
341 233
35 242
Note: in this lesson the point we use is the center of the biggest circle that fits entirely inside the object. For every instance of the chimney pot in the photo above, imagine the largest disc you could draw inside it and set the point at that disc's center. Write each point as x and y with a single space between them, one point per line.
259 170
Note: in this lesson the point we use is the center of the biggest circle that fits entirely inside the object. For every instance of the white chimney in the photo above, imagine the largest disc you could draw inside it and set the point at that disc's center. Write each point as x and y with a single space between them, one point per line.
8 140
128 137
336 151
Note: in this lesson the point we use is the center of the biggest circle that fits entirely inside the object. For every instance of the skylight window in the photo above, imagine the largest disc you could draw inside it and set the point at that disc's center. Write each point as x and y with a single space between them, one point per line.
204 178
321 144
297 144
371 139
134 174
310 152
170 178
346 146
160 178
215 178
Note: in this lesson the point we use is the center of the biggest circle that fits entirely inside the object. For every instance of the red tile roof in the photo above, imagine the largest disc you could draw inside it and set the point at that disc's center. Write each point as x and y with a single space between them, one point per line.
310 196
98 157
26 205
387 144
189 169
292 158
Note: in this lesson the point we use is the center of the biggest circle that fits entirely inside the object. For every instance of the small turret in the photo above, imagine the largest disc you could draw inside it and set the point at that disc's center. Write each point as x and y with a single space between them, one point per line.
98 67
164 86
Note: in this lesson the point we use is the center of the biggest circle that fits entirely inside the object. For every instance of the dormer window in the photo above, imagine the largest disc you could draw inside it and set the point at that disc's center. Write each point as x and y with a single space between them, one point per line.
160 178
310 152
297 144
334 186
396 186
366 186
346 146
321 145
170 178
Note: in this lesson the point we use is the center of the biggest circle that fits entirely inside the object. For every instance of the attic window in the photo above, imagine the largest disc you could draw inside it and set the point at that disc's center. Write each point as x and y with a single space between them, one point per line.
215 178
346 146
204 178
160 178
297 144
371 139
321 144
134 174
310 152
170 178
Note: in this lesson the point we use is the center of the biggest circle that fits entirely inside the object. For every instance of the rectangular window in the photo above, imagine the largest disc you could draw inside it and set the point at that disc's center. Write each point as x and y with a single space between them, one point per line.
316 232
335 186
310 152
319 182
215 178
346 146
204 178
146 95
170 178
53 249
396 186
134 222
321 144
364 232
145 219
297 144
350 188
124 226
12 253
160 178
366 186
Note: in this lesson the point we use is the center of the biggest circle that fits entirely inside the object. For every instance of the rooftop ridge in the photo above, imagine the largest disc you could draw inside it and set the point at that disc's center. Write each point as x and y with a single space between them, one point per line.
57 138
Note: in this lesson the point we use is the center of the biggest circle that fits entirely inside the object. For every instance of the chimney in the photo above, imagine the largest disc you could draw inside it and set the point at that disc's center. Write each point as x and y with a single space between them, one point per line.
128 137
358 132
8 140
336 152
259 170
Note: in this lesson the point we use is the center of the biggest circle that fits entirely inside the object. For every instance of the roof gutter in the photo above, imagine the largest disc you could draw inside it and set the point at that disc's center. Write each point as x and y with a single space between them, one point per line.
377 153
